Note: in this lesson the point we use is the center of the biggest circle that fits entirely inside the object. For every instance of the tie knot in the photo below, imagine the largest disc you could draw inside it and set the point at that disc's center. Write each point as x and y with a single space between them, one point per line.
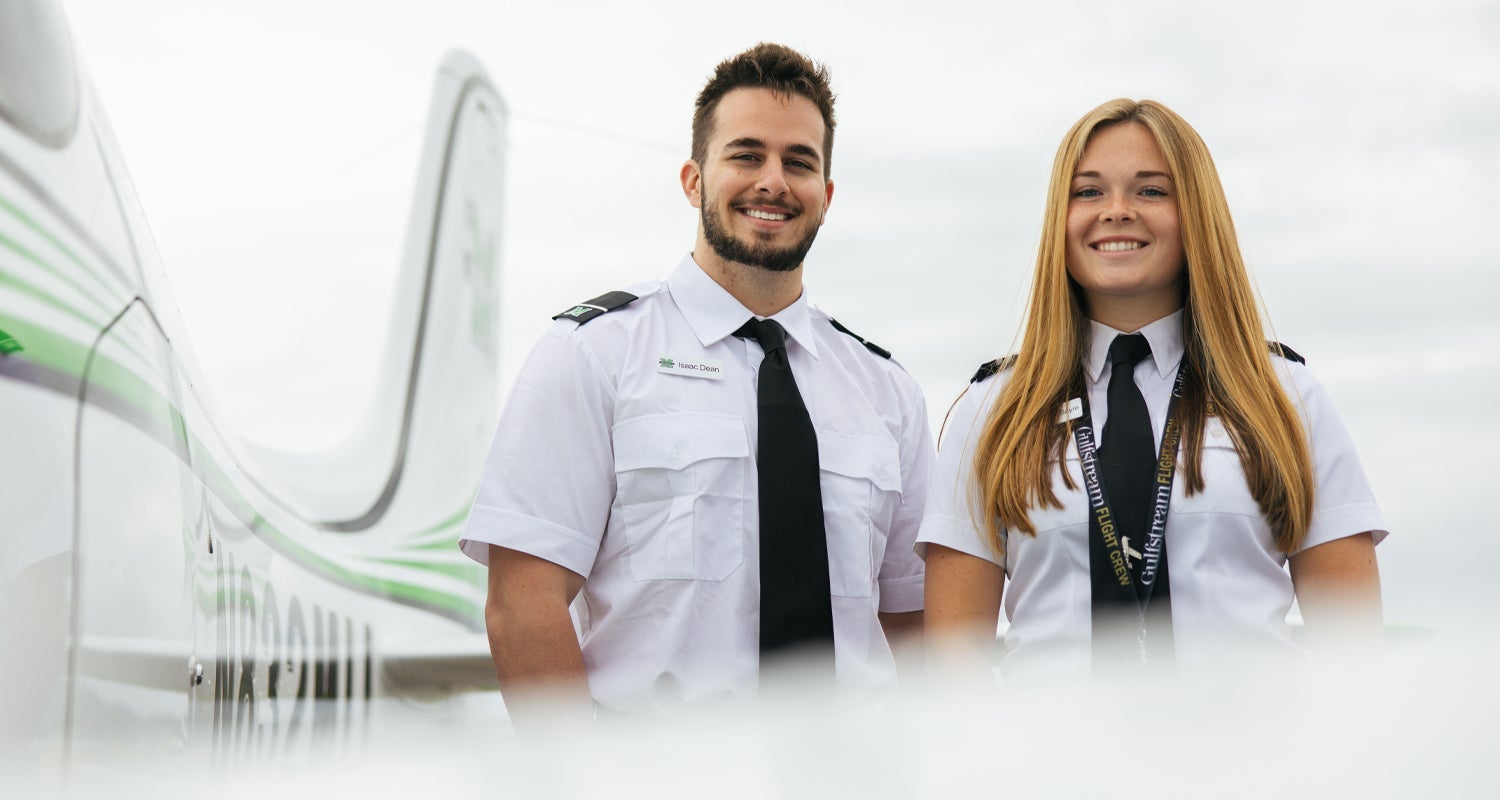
768 332
1129 349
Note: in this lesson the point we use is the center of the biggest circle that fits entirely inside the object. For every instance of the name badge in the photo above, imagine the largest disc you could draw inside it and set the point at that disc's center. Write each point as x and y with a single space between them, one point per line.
691 368
1073 409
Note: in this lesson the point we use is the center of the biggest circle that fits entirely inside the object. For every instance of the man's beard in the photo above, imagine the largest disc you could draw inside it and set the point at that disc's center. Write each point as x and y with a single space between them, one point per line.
765 256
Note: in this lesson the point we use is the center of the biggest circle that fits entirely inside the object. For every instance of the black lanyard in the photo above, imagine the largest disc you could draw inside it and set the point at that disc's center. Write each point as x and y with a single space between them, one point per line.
1134 582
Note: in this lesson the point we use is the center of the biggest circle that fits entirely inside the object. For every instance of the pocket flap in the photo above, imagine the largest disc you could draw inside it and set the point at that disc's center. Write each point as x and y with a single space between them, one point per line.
675 440
1215 434
872 458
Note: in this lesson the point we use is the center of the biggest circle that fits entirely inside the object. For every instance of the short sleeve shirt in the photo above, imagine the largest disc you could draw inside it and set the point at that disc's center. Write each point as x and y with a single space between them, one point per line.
626 453
1230 590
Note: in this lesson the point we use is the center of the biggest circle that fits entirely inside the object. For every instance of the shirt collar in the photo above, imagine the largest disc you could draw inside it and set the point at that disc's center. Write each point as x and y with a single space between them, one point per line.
714 313
1164 336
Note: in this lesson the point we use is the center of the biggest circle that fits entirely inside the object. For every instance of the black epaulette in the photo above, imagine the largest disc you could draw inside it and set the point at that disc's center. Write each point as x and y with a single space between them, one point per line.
989 368
603 304
869 345
1279 349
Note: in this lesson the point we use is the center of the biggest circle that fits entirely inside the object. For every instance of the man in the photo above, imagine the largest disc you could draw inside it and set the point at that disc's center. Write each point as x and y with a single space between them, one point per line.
655 462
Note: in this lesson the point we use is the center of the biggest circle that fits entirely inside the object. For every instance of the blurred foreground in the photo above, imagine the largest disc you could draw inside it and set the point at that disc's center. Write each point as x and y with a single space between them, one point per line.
1417 721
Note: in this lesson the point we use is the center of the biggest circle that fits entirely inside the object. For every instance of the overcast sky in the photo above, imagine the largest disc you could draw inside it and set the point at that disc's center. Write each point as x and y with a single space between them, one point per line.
274 148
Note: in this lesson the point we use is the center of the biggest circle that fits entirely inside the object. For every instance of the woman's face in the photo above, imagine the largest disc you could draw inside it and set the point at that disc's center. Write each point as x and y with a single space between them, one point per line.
1124 241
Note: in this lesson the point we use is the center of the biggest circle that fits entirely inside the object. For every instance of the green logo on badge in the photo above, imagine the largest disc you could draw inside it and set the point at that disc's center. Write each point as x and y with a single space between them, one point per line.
667 363
578 311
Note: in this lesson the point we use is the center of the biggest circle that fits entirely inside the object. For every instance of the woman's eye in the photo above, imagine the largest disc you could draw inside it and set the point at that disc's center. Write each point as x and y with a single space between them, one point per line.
1090 192
1152 191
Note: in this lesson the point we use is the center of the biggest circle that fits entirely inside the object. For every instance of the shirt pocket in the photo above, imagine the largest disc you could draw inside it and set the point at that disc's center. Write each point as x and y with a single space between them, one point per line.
1074 512
860 478
1225 490
680 480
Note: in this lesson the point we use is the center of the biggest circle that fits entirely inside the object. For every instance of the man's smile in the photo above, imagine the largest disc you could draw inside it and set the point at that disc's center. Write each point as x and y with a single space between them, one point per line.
772 216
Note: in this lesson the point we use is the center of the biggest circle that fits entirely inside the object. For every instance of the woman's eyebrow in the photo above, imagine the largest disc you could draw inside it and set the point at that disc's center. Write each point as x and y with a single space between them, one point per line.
1145 173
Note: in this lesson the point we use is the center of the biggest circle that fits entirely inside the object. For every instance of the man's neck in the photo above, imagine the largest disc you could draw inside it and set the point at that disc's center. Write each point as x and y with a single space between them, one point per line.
762 291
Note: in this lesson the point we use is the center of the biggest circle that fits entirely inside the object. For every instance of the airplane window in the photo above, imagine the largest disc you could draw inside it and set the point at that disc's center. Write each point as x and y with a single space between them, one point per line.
38 83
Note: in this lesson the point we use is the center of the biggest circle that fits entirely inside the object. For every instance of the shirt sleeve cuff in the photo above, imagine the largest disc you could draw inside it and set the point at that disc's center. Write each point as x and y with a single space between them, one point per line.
900 595
956 534
1337 523
545 540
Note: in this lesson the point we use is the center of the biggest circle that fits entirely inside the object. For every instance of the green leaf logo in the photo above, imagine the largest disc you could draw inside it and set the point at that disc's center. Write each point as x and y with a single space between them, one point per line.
8 344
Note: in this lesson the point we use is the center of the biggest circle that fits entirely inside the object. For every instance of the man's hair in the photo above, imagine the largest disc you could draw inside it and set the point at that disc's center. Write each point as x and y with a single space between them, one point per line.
765 66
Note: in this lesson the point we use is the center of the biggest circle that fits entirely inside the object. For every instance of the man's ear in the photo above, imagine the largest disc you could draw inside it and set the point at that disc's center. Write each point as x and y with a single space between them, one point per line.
692 183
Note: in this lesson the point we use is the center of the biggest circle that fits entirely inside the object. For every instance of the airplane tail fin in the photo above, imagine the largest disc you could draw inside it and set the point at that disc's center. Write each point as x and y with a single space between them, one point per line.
411 470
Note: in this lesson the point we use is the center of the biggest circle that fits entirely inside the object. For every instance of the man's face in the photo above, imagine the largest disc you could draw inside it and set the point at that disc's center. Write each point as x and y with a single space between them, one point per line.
760 189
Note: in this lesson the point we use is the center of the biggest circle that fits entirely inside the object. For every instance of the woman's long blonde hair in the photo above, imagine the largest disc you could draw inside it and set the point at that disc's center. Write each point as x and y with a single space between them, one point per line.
1224 346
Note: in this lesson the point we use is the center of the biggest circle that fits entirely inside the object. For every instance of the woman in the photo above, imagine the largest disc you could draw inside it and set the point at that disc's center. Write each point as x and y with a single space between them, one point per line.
1115 546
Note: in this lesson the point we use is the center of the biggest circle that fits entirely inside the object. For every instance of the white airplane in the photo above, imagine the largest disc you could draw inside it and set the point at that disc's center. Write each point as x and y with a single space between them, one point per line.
165 587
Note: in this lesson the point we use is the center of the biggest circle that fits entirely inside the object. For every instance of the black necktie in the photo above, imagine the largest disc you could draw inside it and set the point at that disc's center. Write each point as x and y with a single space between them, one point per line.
1127 467
795 607
1127 451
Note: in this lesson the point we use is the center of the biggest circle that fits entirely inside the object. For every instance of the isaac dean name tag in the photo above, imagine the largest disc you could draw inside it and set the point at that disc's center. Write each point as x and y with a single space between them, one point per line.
692 368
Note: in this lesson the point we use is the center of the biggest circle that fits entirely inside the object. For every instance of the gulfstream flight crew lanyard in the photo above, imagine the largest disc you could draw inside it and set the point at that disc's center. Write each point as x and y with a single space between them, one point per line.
1134 585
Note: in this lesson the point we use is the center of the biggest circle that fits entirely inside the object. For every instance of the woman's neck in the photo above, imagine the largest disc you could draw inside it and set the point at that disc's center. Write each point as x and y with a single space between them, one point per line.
1129 317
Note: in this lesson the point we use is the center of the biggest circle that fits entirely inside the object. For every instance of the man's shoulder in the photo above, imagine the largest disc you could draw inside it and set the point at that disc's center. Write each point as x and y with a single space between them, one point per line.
603 315
840 335
877 364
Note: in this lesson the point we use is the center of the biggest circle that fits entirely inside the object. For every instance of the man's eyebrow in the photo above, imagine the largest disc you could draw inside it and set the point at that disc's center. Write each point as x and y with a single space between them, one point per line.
804 150
1145 173
746 141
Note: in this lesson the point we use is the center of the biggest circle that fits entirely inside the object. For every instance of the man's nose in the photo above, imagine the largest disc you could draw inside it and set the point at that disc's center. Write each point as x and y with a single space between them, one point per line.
772 179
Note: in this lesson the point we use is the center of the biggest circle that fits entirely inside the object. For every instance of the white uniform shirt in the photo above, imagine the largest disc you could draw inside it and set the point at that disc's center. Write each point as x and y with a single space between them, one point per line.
626 454
1230 589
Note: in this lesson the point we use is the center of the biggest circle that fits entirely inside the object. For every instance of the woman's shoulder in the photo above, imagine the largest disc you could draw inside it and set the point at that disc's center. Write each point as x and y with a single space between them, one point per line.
1291 367
993 367
1302 385
989 379
978 395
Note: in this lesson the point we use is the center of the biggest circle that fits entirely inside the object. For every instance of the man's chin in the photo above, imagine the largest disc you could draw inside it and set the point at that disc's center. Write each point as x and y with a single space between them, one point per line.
755 250
778 266
780 260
